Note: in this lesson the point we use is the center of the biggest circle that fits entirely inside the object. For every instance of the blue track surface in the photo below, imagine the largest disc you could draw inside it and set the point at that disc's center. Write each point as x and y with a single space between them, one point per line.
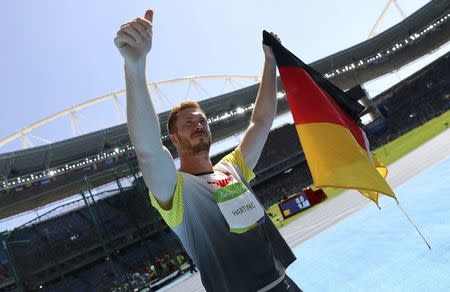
379 250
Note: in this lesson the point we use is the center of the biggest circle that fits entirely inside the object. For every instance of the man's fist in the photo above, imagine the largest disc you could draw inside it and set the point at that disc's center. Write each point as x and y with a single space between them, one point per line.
268 53
134 39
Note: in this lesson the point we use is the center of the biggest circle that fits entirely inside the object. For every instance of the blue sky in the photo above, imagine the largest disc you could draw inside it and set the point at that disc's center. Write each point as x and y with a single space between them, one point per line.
57 54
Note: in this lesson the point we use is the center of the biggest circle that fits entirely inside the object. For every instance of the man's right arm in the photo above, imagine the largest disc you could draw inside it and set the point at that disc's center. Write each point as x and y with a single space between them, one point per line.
156 163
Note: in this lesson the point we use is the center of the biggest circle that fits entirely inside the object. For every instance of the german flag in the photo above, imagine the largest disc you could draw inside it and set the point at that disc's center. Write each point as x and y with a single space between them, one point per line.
335 147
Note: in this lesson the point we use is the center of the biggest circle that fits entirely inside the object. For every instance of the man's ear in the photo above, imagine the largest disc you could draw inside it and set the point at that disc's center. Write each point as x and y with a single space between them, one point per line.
173 138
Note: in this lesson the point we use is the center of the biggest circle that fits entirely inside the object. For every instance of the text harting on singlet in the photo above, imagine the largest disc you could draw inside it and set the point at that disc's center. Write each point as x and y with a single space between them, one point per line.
243 209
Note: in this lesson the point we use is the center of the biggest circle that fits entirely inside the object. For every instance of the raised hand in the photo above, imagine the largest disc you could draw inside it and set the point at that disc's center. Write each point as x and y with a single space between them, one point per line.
134 39
268 53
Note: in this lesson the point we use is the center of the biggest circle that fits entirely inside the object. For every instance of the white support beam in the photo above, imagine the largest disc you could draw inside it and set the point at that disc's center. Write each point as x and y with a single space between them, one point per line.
120 112
26 143
74 124
106 97
373 32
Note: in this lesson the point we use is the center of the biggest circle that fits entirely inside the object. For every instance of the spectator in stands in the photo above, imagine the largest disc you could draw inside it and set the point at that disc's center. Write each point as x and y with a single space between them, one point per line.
172 265
152 273
159 266
180 259
212 209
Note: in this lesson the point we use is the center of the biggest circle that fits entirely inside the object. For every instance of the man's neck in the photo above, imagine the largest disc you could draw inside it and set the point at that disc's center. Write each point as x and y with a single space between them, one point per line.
194 164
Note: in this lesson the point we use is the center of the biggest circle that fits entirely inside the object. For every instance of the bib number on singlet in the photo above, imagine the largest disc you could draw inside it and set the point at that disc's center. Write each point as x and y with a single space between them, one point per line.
240 207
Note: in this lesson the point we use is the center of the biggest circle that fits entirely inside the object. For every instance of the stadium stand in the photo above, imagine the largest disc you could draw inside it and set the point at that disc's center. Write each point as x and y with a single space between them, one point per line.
114 243
417 99
69 250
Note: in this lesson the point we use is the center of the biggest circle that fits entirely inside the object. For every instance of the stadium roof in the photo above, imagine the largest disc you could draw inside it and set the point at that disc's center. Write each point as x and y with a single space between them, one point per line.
423 31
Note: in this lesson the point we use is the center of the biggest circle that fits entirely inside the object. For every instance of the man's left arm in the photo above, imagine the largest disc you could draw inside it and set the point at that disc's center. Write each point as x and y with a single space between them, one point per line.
263 113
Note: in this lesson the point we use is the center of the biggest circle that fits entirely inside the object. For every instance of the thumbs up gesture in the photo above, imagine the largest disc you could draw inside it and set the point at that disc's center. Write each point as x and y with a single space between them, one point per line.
134 39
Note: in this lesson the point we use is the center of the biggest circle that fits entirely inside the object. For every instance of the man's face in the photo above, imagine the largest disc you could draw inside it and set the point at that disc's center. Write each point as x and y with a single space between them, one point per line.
192 135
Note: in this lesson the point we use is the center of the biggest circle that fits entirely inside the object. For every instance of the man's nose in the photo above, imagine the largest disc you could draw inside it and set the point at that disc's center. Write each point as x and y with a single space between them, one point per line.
199 126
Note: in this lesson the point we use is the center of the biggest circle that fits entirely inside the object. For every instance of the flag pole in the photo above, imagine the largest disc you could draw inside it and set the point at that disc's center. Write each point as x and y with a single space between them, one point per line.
413 224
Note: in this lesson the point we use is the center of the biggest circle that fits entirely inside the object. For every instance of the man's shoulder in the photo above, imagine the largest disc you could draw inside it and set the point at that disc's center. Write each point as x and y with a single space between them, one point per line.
236 160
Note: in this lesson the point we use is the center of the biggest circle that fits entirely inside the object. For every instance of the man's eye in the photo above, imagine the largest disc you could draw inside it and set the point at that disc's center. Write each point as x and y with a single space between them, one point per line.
188 123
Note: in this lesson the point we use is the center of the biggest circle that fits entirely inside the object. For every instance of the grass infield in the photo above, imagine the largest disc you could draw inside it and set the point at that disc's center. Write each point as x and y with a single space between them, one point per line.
387 153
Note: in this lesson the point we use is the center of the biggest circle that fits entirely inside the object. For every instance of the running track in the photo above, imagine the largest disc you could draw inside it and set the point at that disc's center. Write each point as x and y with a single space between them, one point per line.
332 211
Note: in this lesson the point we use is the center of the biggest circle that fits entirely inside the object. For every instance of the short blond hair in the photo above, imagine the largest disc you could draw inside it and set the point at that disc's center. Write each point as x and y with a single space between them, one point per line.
173 115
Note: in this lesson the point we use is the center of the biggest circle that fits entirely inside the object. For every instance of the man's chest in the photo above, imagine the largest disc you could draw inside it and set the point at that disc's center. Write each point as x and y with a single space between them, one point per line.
218 180
233 200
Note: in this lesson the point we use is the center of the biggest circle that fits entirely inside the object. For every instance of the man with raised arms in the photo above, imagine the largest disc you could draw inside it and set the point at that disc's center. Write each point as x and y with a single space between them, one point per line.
211 208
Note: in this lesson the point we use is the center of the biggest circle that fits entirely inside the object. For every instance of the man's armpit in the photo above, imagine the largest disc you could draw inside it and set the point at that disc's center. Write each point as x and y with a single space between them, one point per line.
172 213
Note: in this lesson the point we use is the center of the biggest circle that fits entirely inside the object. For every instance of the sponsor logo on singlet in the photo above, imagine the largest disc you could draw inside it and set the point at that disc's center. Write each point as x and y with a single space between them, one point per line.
222 182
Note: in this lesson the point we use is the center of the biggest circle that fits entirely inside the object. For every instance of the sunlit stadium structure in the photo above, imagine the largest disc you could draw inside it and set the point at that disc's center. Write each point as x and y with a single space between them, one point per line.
423 31
34 177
